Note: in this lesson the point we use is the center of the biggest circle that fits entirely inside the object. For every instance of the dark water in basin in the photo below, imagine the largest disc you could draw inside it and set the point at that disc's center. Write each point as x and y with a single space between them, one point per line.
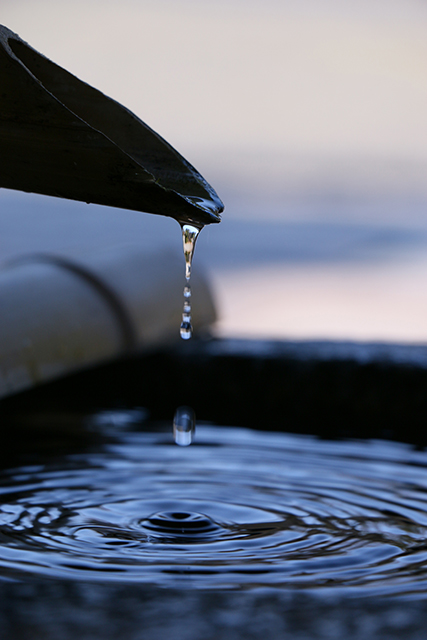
237 508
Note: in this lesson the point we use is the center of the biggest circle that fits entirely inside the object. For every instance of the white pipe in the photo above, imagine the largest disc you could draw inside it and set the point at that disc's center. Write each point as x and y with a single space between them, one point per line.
58 316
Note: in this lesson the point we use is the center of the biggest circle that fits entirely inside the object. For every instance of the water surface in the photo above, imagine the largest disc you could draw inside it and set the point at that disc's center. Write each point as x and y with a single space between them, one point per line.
239 508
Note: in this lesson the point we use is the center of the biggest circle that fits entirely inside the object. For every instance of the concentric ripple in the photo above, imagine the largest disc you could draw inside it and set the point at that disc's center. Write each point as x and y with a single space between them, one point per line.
238 508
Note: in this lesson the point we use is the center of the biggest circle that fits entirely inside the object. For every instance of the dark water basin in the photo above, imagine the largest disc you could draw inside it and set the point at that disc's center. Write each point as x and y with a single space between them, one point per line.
108 528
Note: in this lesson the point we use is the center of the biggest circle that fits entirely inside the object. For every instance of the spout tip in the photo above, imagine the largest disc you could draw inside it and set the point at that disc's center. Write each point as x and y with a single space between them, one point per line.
206 211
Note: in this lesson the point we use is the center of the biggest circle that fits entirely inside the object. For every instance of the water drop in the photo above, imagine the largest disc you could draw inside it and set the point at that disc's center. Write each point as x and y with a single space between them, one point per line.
184 425
186 330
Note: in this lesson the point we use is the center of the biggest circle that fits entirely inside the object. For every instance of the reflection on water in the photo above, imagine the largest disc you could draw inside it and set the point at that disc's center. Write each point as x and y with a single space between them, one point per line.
238 508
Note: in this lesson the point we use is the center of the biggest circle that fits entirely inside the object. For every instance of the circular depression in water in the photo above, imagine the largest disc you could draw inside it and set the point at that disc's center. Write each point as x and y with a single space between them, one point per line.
239 508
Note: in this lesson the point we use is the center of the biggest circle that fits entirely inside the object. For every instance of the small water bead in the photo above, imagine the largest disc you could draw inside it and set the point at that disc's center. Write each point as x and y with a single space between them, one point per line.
186 330
184 426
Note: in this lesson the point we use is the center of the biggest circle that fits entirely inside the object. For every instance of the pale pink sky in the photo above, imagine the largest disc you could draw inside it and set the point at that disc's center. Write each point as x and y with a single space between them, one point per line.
313 76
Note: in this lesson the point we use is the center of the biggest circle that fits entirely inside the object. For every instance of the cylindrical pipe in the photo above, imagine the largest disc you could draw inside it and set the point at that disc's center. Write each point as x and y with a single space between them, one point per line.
58 316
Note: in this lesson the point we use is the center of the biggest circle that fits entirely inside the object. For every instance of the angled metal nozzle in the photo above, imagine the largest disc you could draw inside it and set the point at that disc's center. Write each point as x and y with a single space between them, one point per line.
61 137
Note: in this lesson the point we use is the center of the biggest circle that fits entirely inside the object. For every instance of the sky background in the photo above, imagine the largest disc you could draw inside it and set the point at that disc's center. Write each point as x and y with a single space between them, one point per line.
309 118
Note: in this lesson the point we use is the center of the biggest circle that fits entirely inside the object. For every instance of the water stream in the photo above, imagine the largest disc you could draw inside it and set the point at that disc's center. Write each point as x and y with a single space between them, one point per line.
189 237
239 509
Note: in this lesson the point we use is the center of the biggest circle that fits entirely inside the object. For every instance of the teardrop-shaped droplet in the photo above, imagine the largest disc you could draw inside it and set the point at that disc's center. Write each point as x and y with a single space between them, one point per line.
189 237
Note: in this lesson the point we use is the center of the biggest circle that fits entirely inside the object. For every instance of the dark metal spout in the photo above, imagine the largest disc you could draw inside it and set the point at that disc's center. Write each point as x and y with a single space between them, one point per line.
61 137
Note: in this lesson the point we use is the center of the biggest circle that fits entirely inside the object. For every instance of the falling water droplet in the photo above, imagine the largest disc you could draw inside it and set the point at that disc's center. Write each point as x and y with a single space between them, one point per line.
189 237
184 426
186 330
